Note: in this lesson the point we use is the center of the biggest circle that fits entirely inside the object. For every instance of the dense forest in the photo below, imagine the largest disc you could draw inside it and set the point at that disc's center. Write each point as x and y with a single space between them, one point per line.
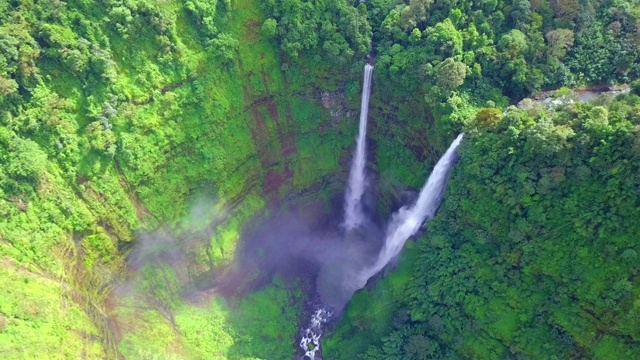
533 254
140 140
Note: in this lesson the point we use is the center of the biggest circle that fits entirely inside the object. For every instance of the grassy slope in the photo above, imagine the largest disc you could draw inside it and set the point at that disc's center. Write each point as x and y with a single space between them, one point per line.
203 330
286 142
184 129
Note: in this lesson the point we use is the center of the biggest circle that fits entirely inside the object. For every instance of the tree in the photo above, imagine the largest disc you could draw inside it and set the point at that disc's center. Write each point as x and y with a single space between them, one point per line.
7 86
635 87
567 10
560 40
488 117
415 36
419 347
225 47
23 160
336 27
445 39
513 44
450 74
521 13
270 27
413 14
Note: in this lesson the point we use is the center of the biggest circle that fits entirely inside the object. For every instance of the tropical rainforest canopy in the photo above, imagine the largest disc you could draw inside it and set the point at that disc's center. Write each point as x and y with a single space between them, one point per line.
148 149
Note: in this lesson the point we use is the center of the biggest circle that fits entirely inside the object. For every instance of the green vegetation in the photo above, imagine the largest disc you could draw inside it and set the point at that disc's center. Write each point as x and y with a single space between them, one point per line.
532 254
139 138
264 322
118 118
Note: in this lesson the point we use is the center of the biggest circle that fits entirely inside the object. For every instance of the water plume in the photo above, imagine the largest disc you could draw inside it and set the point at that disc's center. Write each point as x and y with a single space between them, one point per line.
406 221
354 215
351 272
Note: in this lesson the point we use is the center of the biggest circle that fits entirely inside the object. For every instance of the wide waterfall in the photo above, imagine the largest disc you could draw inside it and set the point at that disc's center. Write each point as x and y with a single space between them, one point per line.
353 207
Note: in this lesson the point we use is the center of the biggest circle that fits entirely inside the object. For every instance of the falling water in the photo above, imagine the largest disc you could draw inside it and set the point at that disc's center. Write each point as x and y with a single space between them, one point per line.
353 207
406 221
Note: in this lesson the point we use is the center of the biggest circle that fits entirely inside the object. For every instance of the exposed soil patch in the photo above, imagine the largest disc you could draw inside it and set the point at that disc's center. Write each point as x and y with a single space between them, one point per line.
274 150
273 181
598 88
252 28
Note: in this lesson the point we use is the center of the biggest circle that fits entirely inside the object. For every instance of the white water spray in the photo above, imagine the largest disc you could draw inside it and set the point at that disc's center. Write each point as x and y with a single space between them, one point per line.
353 206
310 342
406 221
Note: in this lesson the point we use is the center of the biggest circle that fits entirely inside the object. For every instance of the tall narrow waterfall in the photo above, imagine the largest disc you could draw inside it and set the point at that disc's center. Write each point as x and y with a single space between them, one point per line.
406 221
353 207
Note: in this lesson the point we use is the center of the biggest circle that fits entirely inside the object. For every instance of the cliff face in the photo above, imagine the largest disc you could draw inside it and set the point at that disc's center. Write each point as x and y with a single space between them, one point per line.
157 128
137 141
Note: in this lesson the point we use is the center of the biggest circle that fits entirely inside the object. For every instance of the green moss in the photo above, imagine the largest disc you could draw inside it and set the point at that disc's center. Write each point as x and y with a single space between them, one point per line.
266 323
608 347
41 318
152 337
206 331
98 247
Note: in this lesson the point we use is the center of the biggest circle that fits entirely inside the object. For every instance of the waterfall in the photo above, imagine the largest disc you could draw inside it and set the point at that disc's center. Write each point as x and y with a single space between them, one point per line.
353 207
406 221
353 274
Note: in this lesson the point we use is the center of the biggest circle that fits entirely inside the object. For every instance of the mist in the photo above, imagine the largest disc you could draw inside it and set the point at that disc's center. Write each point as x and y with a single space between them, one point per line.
303 241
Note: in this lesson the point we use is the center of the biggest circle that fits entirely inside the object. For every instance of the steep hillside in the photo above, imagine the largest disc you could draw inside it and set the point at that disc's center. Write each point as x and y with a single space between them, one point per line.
124 119
533 254
160 159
